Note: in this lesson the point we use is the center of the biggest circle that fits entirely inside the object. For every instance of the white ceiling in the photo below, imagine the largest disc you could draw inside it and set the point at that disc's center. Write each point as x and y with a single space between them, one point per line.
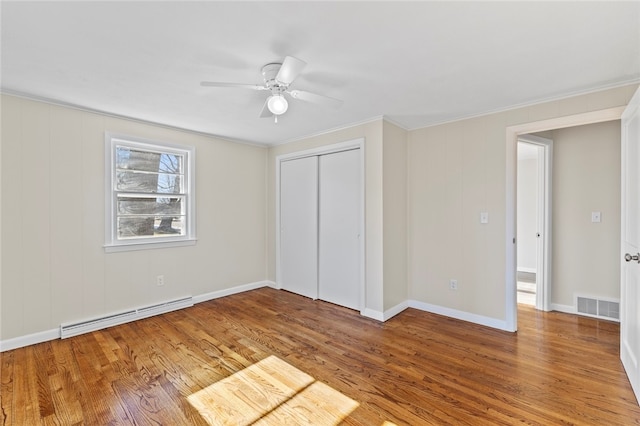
415 63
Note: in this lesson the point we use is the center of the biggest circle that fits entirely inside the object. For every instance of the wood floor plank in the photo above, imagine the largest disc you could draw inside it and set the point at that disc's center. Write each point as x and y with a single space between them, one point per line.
6 388
27 399
241 354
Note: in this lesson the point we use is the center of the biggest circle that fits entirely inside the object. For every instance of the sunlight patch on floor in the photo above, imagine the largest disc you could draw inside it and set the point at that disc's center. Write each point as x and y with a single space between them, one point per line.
271 392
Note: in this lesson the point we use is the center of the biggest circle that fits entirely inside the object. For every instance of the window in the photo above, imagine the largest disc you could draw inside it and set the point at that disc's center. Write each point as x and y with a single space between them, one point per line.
150 194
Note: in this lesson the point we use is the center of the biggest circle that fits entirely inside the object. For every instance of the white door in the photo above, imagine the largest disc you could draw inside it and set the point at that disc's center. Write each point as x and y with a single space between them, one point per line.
630 239
339 228
538 234
299 226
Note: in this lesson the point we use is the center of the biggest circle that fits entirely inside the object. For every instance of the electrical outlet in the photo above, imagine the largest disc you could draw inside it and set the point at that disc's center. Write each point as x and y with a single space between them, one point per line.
160 280
453 284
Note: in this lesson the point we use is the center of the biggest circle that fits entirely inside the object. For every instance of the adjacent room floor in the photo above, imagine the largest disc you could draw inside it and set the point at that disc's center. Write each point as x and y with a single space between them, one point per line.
526 286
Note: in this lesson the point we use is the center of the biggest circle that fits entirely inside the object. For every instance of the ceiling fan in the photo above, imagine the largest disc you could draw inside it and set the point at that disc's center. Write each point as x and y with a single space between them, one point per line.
277 78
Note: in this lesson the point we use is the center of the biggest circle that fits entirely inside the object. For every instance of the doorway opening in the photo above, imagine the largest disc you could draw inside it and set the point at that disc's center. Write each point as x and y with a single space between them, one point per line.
512 135
534 185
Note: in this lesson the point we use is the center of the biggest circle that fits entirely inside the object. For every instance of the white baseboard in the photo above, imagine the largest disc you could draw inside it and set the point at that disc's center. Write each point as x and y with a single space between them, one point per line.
461 315
435 309
233 290
373 314
384 316
44 336
525 269
29 339
392 312
567 309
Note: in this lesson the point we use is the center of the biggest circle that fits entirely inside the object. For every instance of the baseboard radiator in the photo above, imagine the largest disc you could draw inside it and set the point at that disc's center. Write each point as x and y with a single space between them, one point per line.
593 307
76 328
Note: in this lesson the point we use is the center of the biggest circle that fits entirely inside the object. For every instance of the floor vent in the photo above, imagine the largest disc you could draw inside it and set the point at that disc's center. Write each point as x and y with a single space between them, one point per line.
606 309
74 329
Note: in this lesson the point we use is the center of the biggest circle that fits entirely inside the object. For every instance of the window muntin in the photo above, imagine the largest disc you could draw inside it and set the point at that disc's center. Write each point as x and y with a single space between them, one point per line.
150 195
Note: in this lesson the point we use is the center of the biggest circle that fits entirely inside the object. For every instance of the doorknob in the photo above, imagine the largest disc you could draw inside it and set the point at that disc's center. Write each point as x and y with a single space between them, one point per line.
628 257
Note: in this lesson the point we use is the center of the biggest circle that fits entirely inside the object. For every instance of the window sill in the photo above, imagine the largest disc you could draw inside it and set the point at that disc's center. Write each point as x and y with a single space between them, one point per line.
115 248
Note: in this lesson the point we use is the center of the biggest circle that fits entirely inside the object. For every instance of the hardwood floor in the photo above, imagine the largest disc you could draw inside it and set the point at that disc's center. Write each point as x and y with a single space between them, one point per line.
272 357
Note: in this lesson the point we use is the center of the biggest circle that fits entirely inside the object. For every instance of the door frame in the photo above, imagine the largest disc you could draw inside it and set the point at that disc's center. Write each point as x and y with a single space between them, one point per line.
323 150
512 134
544 218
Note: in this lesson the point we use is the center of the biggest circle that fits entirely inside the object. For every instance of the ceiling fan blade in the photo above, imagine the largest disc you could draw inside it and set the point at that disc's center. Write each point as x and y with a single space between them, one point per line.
240 85
315 98
290 69
265 113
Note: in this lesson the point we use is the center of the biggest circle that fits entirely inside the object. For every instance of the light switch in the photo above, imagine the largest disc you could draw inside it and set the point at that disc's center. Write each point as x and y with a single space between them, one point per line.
484 217
595 217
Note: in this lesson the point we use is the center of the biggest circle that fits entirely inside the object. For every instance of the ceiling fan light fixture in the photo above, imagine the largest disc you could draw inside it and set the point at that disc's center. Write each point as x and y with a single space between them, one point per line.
277 104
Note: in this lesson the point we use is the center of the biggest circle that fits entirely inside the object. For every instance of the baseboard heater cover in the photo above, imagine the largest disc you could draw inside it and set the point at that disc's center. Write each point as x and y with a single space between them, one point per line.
76 328
594 307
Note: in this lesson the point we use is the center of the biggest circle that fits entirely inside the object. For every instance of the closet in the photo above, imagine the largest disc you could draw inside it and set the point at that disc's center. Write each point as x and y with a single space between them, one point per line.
320 225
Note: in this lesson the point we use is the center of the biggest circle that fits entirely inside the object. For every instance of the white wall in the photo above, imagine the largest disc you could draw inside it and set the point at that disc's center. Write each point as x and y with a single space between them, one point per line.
54 268
457 170
586 174
527 213
396 290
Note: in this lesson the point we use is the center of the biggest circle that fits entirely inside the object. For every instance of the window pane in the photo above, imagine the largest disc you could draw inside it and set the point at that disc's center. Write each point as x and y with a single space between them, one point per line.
131 159
148 182
171 163
150 226
149 206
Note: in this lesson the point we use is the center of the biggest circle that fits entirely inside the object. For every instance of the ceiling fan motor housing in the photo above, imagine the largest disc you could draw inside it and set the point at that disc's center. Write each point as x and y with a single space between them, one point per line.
269 73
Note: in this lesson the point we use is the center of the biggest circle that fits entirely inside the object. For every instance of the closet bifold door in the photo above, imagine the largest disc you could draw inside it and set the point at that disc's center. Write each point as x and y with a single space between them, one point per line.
299 226
339 228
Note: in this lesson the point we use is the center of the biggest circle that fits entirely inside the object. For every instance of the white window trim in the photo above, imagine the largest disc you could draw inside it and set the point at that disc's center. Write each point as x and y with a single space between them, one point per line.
112 244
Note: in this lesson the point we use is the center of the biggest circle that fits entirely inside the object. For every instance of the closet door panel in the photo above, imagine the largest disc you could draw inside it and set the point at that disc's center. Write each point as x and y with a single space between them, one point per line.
339 228
299 226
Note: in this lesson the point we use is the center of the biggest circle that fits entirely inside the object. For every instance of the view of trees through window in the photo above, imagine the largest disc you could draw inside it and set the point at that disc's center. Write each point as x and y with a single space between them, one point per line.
150 193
